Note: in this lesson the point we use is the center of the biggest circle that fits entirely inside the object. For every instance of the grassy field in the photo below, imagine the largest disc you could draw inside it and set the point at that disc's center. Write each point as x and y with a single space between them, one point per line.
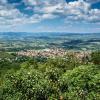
25 41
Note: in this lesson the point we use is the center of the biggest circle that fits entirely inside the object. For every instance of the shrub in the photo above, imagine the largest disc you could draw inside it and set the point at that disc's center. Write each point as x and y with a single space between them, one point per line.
53 74
95 57
81 83
26 85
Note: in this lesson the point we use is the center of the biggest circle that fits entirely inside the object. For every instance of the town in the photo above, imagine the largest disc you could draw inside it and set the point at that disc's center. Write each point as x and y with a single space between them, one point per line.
55 52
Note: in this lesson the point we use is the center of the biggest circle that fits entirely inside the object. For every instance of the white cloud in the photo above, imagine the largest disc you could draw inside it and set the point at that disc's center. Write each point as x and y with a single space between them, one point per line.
48 9
94 15
3 1
92 1
31 2
81 11
10 15
43 2
49 16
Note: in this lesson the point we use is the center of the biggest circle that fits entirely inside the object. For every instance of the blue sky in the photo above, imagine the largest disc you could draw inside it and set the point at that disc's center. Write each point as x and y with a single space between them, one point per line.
50 16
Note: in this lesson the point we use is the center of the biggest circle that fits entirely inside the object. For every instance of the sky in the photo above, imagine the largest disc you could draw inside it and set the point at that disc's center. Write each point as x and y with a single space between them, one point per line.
75 16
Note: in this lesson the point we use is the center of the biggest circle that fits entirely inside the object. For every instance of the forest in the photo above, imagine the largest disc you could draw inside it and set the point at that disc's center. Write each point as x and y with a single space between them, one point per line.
39 78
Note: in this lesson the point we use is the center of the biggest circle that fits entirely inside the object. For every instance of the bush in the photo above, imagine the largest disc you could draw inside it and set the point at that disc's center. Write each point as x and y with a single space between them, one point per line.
95 57
53 74
81 83
26 85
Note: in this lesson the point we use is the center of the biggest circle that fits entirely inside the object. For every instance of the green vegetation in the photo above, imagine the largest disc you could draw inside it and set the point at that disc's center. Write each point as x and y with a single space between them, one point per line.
96 57
24 78
10 41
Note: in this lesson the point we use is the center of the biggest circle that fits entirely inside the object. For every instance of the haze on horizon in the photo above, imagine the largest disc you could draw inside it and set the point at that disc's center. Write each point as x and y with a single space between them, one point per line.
82 16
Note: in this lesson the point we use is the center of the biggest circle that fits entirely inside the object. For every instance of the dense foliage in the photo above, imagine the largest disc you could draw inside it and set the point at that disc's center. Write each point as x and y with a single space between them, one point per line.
49 79
96 57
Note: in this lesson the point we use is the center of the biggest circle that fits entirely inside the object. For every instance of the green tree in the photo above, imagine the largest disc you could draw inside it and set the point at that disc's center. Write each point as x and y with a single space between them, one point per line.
95 57
81 83
25 84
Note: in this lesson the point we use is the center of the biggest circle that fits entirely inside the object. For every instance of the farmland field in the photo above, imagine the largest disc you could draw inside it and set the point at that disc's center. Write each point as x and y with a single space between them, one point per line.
11 41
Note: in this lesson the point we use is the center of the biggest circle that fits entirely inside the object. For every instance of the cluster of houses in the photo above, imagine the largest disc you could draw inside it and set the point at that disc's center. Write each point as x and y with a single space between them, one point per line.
54 53
44 53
